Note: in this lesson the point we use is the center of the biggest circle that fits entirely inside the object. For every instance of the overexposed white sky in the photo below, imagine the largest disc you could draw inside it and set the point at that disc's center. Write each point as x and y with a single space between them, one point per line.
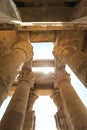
43 50
78 86
45 110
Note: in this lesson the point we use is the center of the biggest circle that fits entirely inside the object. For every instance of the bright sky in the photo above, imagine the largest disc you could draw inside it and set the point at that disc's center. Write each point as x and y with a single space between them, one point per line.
4 106
39 49
78 86
43 50
44 106
45 110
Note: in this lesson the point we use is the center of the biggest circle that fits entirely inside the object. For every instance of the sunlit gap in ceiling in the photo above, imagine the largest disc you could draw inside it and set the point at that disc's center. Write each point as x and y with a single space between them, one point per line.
43 51
45 109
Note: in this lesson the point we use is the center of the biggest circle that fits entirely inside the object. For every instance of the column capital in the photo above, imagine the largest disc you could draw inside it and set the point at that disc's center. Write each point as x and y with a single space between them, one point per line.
63 50
26 47
76 59
26 75
60 76
56 97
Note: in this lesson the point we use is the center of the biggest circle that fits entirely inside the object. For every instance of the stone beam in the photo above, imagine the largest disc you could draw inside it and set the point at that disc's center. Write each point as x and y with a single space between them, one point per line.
43 63
43 89
42 36
45 26
35 36
40 89
41 78
8 11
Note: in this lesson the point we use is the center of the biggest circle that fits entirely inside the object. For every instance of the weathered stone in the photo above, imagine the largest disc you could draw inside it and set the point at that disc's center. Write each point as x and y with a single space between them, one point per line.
74 38
8 11
14 116
29 121
74 58
20 53
60 21
79 11
75 110
32 98
42 36
39 14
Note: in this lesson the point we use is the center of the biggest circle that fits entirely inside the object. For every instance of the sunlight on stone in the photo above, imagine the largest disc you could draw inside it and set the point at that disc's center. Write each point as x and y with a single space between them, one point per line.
45 70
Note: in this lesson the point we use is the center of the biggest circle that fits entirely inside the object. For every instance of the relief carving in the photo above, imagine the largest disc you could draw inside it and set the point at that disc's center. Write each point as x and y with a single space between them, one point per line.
26 48
62 120
27 76
31 100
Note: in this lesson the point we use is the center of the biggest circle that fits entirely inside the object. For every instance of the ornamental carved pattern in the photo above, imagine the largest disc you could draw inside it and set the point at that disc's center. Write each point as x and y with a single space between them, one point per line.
31 100
60 76
56 97
44 78
5 47
62 120
26 48
27 76
62 50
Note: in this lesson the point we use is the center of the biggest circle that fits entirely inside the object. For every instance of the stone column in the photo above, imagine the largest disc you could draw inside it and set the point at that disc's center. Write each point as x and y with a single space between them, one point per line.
10 63
31 99
69 45
60 116
29 123
74 58
14 116
74 108
61 121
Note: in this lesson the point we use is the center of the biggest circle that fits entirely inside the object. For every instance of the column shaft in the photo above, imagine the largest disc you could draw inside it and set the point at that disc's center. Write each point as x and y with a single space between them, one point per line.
60 116
61 123
14 116
29 122
75 109
31 99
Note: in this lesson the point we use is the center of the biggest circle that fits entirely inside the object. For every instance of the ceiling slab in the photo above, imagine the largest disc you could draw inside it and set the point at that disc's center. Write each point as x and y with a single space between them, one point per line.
42 36
43 63
45 14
